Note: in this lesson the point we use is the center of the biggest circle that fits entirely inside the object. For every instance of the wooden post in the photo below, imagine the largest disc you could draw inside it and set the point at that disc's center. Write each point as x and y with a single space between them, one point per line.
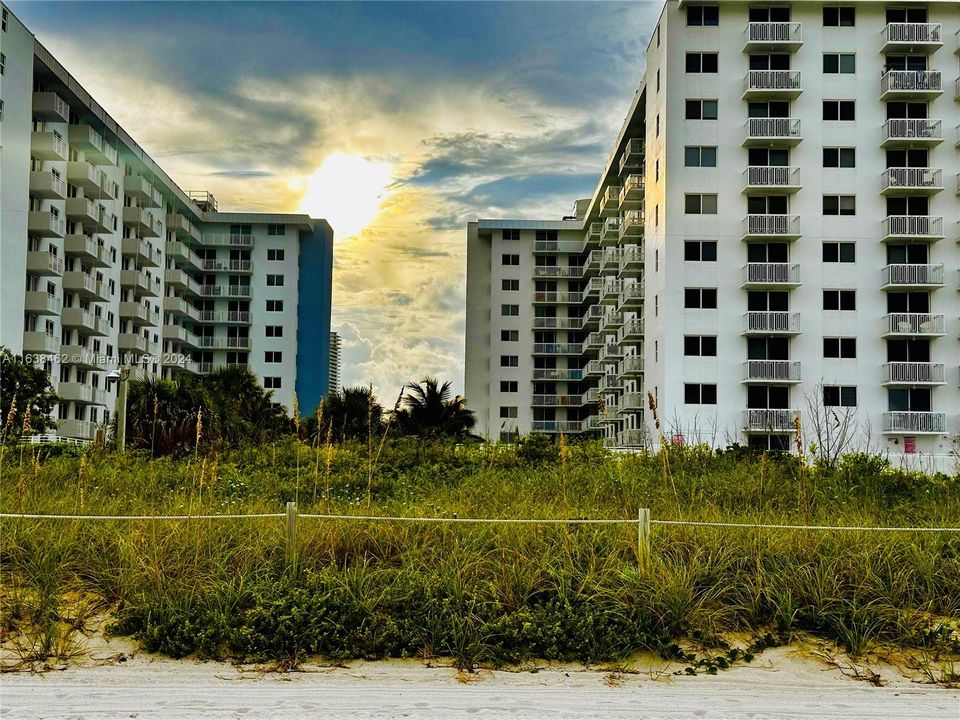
292 535
643 538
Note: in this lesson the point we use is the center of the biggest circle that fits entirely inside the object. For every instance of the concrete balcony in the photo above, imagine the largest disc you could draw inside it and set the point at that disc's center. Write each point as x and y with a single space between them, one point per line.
631 366
50 107
44 184
558 374
593 316
758 178
770 420
631 194
911 85
180 335
39 302
43 223
86 322
912 132
610 201
136 312
631 225
631 297
914 423
142 191
631 403
759 276
85 176
182 226
236 291
95 149
81 393
88 250
556 401
140 283
900 276
766 322
631 261
558 272
771 371
611 231
610 290
912 227
84 285
181 280
181 308
48 145
631 332
610 259
556 426
557 298
767 227
227 239
40 343
133 343
558 247
594 368
594 233
142 221
912 181
231 343
610 351
226 317
913 325
557 348
44 263
772 85
108 188
911 38
609 384
594 341
772 132
77 429
556 323
610 320
81 357
773 37
88 213
633 156
231 266
183 256
912 373
182 364
144 254
631 438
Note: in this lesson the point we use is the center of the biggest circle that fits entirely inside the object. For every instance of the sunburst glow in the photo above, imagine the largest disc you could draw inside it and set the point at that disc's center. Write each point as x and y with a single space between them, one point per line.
346 190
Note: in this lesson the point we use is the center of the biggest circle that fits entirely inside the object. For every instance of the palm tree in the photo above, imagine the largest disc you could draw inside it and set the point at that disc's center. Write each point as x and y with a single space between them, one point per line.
162 415
243 408
430 411
353 413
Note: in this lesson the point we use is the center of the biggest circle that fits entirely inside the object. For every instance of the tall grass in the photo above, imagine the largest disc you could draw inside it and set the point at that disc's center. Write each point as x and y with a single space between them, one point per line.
483 593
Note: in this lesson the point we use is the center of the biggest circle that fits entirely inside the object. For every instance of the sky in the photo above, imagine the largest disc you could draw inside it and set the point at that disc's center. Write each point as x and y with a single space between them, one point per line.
398 122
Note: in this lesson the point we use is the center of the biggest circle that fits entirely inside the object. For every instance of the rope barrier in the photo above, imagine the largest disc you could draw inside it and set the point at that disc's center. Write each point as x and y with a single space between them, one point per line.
37 516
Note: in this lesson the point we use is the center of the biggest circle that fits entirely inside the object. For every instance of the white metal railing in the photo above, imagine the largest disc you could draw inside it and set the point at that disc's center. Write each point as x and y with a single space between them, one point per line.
913 226
771 176
557 271
913 129
632 219
772 80
768 419
772 273
225 290
911 81
767 224
594 231
773 128
914 323
557 348
557 401
912 33
236 239
556 323
556 426
923 422
631 365
772 321
558 297
631 328
908 274
778 370
632 402
918 178
774 32
912 372
558 374
611 196
630 438
558 246
611 226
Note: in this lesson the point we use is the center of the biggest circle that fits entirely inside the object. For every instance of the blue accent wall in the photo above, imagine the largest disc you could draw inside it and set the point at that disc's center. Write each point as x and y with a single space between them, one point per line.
313 316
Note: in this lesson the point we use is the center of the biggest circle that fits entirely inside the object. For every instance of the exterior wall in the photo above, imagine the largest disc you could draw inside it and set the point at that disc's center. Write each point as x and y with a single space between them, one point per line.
313 336
479 374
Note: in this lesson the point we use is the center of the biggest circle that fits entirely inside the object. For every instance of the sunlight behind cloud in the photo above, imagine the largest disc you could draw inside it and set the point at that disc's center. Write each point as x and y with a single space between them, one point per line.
346 190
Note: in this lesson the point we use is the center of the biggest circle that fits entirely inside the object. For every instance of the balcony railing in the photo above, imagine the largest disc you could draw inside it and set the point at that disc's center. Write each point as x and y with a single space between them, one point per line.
44 184
631 366
557 348
558 247
225 290
40 342
228 239
45 224
50 106
772 321
556 426
913 373
912 275
557 272
557 401
767 225
39 302
43 262
914 422
913 130
774 176
633 154
559 298
909 82
631 438
557 323
913 36
631 403
774 34
913 226
759 420
771 274
775 82
786 130
558 374
771 371
909 324
913 178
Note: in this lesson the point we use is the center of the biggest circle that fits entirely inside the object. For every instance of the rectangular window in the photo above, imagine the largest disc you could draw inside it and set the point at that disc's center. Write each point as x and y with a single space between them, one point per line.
700 250
700 345
3 22
509 259
273 331
273 356
509 360
508 386
275 254
839 299
703 15
700 298
700 204
3 62
510 234
276 230
697 156
837 347
839 16
509 285
701 109
839 157
701 62
271 383
839 252
274 280
839 63
839 205
699 394
508 412
839 396
509 335
839 110
274 305
509 310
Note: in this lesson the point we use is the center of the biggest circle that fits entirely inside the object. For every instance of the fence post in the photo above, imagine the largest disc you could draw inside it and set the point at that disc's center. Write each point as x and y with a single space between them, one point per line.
292 535
643 538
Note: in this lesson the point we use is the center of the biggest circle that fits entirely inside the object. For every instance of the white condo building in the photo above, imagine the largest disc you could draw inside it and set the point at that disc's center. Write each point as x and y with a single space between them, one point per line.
106 261
773 238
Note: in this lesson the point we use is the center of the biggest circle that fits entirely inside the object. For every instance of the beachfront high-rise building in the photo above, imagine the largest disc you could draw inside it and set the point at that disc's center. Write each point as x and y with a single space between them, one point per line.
106 260
772 240
335 371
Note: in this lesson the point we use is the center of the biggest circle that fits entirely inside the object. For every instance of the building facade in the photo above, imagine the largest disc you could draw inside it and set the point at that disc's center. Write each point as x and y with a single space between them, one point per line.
773 241
107 262
336 377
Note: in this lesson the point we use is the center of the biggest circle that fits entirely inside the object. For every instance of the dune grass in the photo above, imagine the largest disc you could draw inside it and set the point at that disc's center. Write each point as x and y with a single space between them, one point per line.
485 593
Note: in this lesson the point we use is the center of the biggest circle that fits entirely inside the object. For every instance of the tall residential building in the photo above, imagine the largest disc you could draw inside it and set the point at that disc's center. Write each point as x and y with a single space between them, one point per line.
335 372
105 260
773 238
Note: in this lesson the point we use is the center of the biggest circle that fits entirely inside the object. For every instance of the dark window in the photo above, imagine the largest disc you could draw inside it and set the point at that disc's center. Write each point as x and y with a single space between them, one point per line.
700 204
509 335
700 250
702 62
696 156
839 205
509 310
703 15
508 259
700 298
839 63
701 109
509 285
839 157
700 345
509 360
839 396
510 234
508 386
839 110
835 347
839 16
842 252
839 300
699 394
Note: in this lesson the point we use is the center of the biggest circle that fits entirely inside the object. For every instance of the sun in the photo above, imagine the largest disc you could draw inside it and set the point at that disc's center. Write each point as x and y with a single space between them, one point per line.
346 190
